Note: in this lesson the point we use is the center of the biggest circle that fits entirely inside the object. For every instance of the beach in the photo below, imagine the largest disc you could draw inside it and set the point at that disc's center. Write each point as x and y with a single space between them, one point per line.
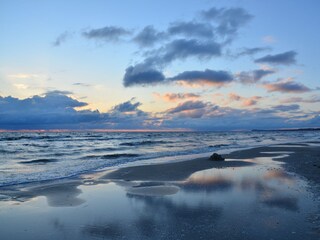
269 192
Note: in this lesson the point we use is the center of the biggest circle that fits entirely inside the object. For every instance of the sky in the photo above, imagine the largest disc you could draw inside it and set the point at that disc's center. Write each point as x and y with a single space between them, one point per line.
159 65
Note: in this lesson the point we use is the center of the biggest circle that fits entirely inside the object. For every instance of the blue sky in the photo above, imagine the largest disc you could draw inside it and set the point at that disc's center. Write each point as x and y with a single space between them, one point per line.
200 65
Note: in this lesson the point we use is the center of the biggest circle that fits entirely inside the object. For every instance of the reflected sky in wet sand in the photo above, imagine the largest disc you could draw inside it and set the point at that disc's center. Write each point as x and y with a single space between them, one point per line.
259 201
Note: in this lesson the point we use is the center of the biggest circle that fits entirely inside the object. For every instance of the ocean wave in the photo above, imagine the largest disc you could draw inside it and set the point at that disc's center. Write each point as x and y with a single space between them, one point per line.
104 149
119 155
219 145
112 156
39 161
8 151
141 143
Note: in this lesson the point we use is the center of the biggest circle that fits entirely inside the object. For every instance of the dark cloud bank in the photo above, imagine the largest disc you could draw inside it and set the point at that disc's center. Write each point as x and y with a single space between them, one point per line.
57 110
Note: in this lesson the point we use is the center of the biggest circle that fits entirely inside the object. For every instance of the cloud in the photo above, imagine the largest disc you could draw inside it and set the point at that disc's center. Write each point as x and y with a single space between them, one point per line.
234 97
148 36
286 108
229 20
127 115
251 51
207 77
286 58
126 107
312 99
286 86
144 76
53 110
198 39
254 76
58 92
57 110
211 117
189 109
62 38
191 29
82 84
248 102
108 33
181 49
245 101
141 75
173 97
186 106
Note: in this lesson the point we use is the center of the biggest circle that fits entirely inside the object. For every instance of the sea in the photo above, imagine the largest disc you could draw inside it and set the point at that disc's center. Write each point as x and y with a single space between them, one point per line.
27 157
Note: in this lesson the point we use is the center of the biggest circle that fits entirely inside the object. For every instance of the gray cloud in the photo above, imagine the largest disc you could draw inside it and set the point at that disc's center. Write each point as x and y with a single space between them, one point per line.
141 75
146 73
204 77
286 108
108 33
61 38
251 51
312 99
286 58
189 109
191 29
228 20
253 76
56 110
286 86
128 106
202 40
148 36
181 49
58 92
189 105
206 116
53 110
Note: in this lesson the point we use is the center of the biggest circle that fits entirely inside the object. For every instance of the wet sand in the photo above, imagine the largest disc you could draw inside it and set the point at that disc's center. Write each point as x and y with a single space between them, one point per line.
259 197
301 159
170 171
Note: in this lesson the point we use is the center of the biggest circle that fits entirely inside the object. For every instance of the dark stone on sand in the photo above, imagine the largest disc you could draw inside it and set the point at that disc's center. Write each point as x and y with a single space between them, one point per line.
216 157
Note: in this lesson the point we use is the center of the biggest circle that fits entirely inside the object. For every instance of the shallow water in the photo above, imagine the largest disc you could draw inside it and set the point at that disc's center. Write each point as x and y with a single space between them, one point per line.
30 157
259 201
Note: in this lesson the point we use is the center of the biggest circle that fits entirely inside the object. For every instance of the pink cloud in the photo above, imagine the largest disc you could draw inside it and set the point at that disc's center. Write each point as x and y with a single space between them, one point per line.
174 97
245 101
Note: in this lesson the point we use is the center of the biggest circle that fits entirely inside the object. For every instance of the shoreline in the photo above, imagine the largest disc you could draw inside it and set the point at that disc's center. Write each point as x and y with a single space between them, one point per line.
307 169
253 185
234 158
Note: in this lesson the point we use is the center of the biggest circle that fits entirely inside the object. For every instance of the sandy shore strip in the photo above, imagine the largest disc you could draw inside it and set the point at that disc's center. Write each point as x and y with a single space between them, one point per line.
302 159
170 171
